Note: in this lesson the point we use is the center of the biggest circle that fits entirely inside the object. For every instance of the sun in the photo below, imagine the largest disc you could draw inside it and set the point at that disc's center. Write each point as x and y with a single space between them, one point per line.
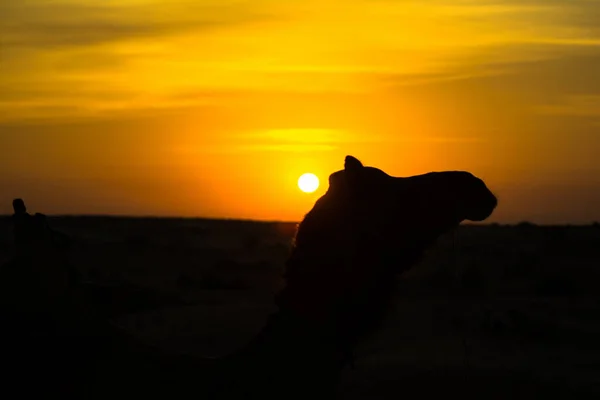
308 183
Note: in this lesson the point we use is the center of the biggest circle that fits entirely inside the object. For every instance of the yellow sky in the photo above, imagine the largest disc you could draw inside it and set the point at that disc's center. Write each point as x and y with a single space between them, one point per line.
215 108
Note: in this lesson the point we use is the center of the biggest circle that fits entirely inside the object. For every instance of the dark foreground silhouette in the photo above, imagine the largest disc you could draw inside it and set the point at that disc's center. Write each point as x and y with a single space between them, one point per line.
366 229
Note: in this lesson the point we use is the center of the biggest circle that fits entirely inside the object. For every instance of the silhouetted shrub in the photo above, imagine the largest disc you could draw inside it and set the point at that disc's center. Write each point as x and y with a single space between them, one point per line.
525 225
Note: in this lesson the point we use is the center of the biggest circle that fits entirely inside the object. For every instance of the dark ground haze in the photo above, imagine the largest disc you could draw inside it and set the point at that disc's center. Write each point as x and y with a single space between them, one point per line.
492 312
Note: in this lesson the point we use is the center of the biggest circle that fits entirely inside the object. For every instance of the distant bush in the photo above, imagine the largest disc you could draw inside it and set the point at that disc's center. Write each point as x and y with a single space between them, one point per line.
525 225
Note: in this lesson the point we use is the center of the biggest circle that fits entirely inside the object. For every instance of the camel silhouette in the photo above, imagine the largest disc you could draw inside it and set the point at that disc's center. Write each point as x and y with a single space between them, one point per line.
368 227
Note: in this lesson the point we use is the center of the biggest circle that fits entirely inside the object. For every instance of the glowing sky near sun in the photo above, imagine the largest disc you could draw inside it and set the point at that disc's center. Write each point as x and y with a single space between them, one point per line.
215 108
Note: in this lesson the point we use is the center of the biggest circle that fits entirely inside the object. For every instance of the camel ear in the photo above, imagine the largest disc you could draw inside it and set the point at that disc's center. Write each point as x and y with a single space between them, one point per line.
353 169
341 181
352 164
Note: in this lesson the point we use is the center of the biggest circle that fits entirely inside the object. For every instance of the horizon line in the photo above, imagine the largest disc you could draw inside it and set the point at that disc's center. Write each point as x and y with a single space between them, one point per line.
273 221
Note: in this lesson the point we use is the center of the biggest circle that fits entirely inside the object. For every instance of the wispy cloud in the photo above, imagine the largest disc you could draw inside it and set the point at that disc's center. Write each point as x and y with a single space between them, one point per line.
296 136
317 140
144 49
449 139
574 105
286 148
42 24
292 140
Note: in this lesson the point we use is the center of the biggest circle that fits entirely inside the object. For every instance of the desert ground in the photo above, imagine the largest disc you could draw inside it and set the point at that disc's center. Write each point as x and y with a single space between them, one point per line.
492 311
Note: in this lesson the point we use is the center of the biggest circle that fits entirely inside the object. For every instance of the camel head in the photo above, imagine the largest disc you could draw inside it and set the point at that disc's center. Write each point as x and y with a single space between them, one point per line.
364 201
376 196
368 227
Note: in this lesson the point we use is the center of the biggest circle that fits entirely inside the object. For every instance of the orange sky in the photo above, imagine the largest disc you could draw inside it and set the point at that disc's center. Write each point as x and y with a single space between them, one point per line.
215 108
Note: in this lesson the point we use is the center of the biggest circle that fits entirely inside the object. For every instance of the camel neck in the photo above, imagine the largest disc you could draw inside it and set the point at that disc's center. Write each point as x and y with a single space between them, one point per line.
328 304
